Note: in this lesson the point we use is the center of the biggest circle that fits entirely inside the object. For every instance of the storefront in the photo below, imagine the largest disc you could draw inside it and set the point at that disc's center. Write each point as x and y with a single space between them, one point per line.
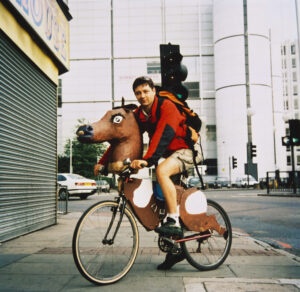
34 46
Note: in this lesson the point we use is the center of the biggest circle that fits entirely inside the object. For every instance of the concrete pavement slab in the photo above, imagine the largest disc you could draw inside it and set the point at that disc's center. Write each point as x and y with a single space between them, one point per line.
33 282
235 285
42 261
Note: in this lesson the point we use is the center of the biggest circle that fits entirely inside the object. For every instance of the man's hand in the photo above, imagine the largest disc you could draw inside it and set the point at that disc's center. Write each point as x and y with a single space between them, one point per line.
138 164
194 135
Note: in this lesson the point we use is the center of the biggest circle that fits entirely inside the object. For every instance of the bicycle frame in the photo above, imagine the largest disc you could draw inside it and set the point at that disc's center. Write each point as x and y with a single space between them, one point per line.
121 206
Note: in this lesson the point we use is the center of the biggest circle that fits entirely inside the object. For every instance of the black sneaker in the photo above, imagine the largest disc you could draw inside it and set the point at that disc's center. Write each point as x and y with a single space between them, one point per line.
171 260
169 228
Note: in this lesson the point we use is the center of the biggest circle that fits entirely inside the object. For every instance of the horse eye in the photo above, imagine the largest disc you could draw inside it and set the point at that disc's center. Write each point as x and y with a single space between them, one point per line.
117 119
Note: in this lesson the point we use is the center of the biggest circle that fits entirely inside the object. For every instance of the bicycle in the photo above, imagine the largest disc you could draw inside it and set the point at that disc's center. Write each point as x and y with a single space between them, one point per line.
106 238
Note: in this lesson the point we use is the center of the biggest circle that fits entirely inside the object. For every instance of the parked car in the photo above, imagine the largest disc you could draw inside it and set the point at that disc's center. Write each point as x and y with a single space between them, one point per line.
242 182
222 182
77 185
208 181
103 186
62 192
194 182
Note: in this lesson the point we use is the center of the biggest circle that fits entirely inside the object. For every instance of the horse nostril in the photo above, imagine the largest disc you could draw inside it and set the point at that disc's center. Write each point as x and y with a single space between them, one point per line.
80 133
85 131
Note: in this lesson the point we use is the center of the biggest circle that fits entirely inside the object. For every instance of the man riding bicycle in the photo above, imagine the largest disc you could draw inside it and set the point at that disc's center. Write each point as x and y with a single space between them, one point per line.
168 139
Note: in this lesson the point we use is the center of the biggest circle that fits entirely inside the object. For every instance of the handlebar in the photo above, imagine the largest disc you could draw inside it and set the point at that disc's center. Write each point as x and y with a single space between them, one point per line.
129 170
127 161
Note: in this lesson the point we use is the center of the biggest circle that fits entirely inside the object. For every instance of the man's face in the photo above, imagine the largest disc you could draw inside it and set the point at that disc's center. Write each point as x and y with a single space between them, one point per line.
145 95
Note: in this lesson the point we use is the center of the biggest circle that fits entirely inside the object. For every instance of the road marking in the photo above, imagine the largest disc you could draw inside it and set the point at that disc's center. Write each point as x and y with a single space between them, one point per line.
283 244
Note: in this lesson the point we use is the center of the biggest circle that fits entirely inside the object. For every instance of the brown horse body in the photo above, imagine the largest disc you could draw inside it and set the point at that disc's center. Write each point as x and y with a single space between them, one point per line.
120 128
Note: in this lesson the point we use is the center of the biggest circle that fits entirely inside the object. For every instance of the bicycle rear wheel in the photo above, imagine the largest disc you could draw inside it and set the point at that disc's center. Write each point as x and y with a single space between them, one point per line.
210 251
105 261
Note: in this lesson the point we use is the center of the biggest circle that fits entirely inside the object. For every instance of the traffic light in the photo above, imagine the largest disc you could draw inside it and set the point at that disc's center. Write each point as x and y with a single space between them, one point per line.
288 141
252 150
234 162
294 132
172 71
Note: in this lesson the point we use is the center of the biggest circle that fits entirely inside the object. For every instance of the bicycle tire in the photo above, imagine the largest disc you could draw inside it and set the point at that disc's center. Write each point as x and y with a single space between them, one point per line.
105 263
209 253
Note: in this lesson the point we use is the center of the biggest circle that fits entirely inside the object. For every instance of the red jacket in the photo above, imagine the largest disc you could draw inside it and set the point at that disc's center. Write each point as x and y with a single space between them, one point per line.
166 128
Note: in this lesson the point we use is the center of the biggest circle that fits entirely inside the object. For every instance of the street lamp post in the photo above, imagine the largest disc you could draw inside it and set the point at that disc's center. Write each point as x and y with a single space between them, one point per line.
71 156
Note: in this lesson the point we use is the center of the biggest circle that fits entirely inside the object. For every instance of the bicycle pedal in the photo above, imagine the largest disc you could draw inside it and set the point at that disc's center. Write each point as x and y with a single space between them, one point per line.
168 239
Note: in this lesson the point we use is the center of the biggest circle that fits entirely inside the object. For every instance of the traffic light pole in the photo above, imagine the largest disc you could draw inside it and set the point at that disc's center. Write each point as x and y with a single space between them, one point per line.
293 140
230 169
293 169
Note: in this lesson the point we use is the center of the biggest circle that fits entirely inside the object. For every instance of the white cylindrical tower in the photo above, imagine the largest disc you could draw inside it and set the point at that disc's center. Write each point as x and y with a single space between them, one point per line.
243 85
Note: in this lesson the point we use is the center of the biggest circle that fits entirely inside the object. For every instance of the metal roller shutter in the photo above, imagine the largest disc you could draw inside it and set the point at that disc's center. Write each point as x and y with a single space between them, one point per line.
27 144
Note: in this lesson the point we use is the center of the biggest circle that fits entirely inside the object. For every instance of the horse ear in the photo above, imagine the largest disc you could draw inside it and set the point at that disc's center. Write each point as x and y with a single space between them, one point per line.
128 107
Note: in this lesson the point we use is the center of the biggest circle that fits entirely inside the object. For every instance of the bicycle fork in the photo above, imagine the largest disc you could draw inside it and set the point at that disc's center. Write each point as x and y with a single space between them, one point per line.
118 209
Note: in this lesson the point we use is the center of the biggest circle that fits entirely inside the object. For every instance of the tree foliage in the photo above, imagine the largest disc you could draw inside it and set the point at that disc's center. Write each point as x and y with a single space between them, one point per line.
84 157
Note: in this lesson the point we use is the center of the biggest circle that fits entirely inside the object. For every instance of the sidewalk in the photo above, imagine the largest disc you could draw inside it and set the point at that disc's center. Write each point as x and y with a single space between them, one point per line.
42 261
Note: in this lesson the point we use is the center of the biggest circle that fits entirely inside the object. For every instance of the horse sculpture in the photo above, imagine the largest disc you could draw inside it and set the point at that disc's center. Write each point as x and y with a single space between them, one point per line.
118 127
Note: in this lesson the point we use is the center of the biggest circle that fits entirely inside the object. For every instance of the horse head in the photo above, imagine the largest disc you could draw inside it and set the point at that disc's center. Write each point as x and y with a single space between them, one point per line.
120 128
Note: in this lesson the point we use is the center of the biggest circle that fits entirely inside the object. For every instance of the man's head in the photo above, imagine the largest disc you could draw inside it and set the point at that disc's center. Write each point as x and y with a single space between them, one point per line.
144 90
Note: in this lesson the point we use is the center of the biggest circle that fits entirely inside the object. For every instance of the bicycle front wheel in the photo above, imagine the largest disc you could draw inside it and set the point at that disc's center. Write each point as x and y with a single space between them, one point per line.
210 250
102 251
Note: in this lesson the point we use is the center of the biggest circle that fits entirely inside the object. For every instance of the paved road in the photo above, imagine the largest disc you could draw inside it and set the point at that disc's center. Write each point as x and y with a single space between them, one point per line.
275 220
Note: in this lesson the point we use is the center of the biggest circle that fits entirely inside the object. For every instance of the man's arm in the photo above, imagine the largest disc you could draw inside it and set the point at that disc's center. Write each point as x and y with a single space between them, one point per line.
101 166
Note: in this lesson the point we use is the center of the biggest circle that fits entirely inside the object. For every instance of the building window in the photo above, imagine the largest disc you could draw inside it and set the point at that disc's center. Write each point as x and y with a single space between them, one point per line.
293 50
296 104
294 64
294 76
298 159
59 93
153 67
286 105
295 90
193 87
211 132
